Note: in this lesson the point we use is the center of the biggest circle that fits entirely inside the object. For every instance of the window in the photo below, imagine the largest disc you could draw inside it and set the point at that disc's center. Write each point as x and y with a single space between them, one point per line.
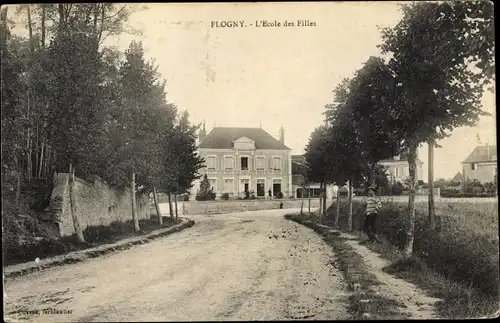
211 162
260 163
228 185
277 163
244 163
228 163
473 166
213 183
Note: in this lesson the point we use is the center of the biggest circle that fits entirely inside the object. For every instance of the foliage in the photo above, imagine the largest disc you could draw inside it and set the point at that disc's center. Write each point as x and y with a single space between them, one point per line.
205 193
225 196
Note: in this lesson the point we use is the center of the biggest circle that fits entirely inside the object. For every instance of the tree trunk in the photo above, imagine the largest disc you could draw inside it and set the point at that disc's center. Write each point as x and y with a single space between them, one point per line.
337 217
302 204
320 209
412 156
432 217
28 141
155 197
18 191
309 197
349 215
43 26
176 210
40 163
324 199
170 207
134 206
72 203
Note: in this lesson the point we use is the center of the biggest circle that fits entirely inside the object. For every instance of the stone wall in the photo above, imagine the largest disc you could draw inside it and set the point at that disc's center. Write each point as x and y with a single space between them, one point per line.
96 204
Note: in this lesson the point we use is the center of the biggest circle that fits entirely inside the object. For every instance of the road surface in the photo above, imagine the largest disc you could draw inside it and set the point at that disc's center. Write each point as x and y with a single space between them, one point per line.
239 266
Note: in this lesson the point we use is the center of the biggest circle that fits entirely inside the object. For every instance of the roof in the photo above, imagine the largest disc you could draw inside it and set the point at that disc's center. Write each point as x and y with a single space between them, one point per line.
402 157
458 177
223 137
485 153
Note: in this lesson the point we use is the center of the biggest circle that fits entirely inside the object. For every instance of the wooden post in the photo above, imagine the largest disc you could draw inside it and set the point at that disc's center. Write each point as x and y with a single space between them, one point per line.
155 197
72 203
134 207
432 217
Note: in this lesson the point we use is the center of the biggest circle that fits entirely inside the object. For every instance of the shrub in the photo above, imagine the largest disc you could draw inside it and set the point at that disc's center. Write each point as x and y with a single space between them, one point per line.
465 248
225 196
279 195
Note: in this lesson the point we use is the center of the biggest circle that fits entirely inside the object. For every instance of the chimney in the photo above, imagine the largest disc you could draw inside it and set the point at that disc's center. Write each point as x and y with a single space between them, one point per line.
282 135
203 133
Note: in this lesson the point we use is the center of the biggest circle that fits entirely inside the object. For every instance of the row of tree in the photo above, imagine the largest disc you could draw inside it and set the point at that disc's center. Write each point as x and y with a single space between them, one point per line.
434 67
71 104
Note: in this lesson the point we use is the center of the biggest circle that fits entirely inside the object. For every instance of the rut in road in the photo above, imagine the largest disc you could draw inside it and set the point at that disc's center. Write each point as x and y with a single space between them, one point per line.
246 266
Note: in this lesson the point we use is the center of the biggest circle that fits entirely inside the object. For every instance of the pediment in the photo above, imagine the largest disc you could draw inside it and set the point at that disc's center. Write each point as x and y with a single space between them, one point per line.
243 140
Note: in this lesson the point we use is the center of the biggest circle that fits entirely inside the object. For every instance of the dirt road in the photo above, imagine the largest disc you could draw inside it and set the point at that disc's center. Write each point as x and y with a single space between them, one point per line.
240 266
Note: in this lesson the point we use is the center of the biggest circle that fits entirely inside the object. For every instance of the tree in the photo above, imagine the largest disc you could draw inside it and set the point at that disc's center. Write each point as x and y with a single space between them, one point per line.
205 193
184 153
442 58
76 116
11 117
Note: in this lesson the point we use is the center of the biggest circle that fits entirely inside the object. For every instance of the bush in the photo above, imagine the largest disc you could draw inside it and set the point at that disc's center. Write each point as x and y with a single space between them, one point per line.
225 196
279 195
465 249
454 193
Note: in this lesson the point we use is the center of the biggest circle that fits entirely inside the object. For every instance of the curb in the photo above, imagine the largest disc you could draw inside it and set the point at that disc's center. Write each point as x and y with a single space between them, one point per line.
81 255
319 228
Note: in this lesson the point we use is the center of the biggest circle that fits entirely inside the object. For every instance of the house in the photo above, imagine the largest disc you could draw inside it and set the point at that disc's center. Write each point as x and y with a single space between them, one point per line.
458 178
298 162
481 164
240 160
398 169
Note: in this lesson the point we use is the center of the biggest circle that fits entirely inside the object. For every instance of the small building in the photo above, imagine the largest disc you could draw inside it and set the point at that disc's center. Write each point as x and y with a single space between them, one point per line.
458 178
240 160
481 164
398 169
312 189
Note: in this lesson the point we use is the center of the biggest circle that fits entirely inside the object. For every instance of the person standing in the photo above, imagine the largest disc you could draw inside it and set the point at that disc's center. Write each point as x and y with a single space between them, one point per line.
373 206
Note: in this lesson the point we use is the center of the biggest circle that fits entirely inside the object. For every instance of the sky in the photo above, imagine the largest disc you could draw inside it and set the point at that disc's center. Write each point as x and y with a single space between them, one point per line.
276 76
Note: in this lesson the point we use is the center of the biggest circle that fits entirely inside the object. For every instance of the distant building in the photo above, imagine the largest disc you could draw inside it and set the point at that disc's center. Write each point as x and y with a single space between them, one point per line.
458 178
245 159
481 164
398 169
298 162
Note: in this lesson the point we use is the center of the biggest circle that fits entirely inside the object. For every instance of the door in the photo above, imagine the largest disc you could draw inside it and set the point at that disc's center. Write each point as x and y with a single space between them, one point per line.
276 189
261 190
246 187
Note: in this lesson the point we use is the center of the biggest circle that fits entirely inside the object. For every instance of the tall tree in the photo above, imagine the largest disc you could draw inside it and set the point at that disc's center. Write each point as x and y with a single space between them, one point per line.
76 112
442 58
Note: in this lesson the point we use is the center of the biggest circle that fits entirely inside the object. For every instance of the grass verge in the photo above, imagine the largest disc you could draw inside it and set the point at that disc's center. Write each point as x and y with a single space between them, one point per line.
364 303
457 263
94 236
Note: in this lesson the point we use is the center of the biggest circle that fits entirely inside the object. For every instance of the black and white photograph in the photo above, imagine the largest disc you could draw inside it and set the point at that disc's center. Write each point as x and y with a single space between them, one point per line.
249 161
